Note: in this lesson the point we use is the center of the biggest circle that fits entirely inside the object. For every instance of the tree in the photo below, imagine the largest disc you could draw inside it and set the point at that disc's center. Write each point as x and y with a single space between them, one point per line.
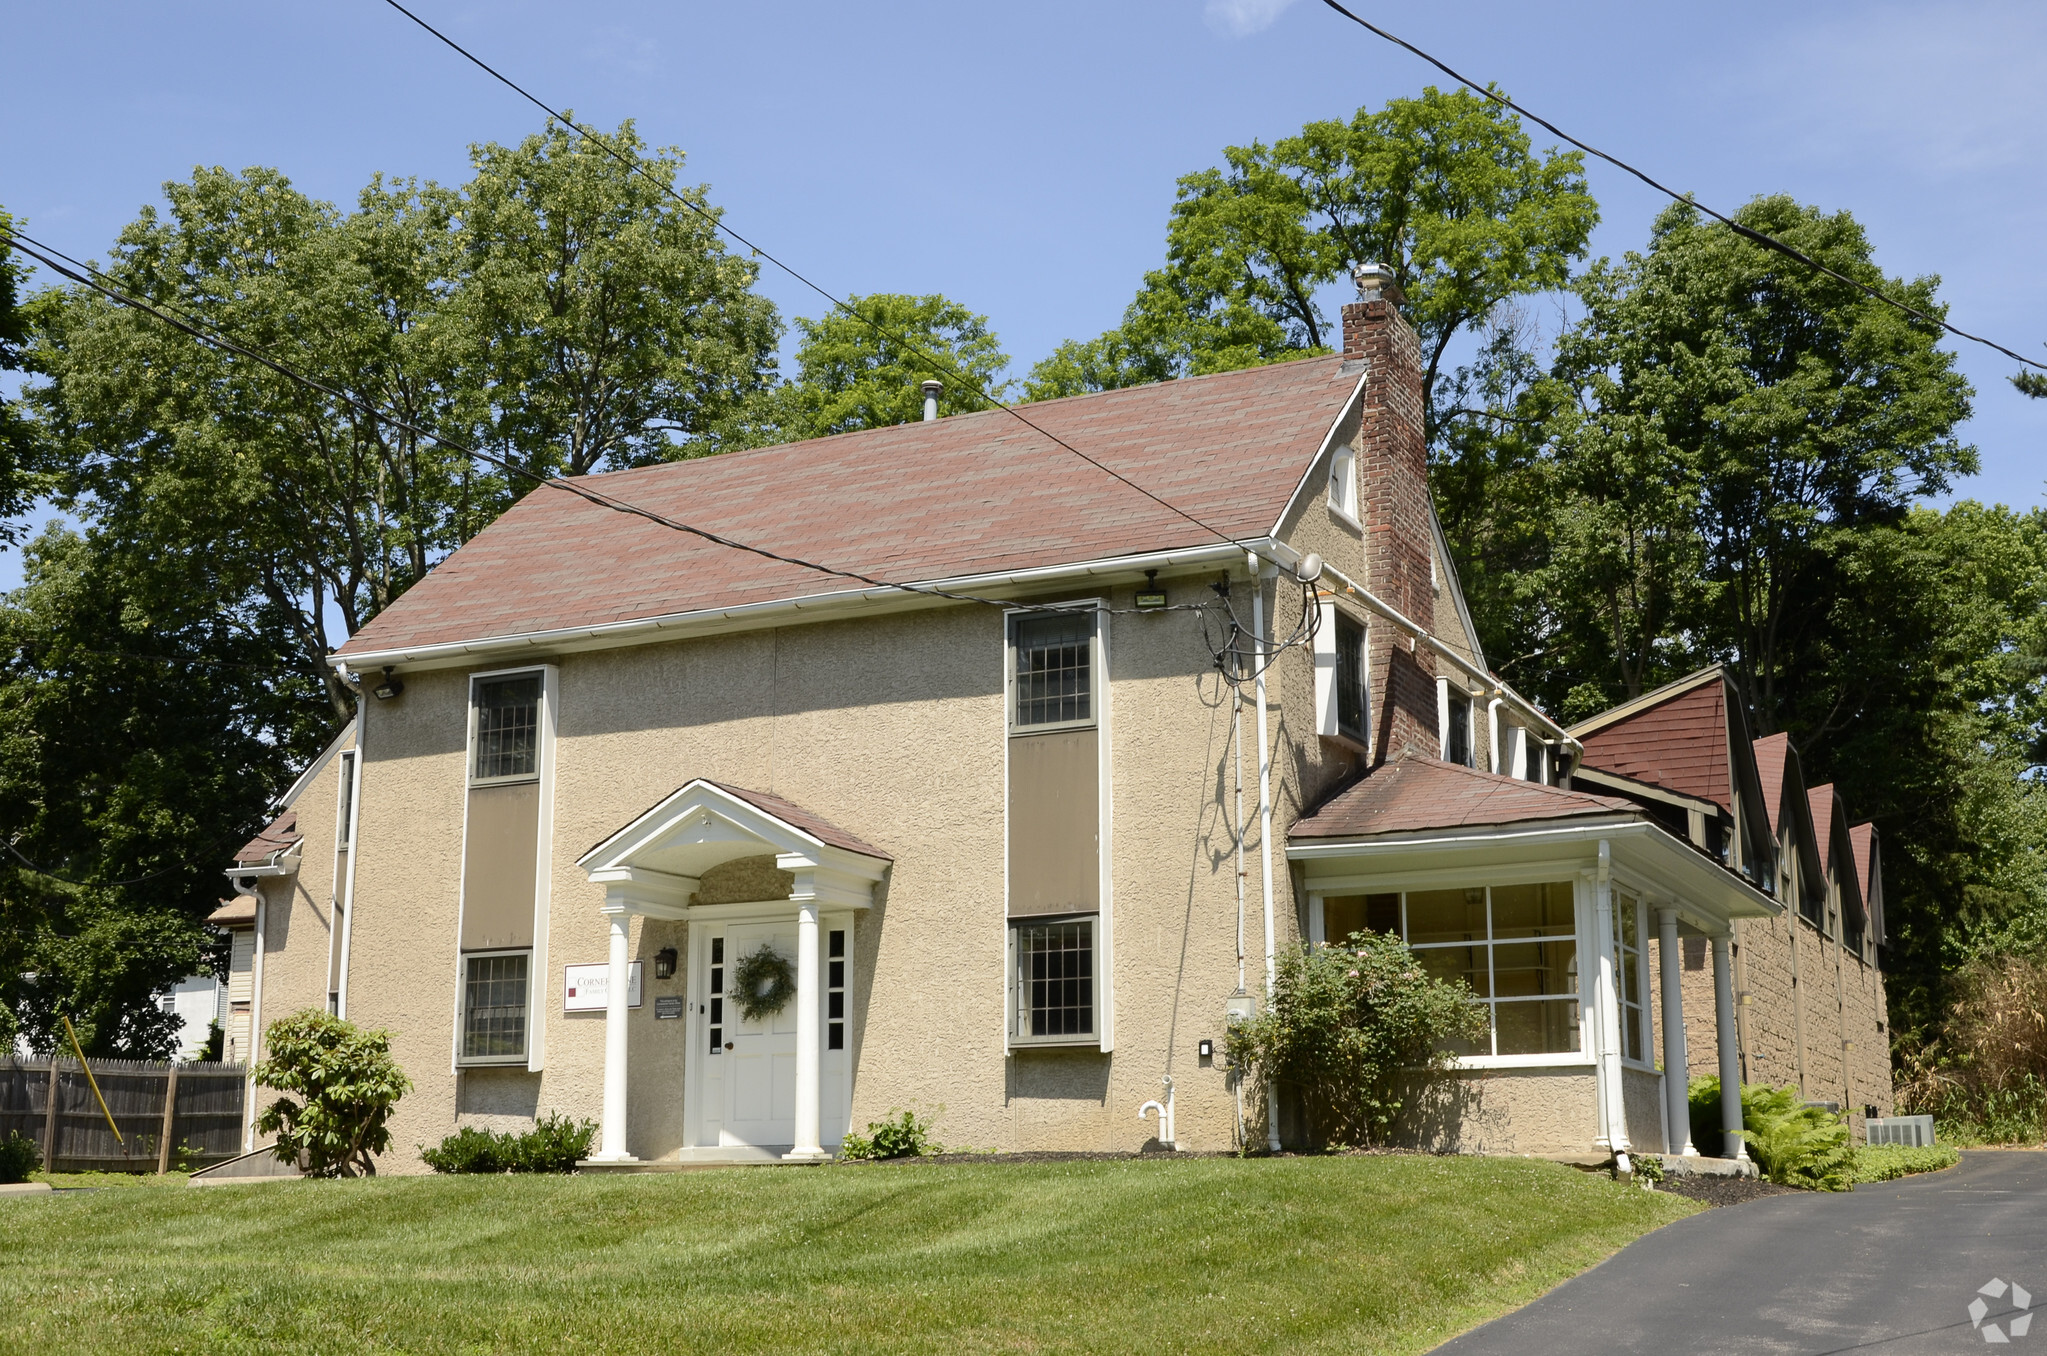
349 1084
867 370
140 737
16 433
1444 188
601 321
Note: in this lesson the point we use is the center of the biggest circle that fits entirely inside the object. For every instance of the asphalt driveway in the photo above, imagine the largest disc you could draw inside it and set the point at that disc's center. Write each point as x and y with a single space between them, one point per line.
1886 1269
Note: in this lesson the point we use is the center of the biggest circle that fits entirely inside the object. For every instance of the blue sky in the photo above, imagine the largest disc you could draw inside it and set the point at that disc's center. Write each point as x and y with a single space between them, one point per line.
1021 158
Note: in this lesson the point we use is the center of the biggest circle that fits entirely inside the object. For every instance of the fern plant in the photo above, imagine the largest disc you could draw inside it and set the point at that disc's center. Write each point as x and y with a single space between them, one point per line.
1793 1144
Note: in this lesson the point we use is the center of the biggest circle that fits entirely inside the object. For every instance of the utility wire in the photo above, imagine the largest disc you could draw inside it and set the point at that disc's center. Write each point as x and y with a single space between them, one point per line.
717 222
35 249
1746 232
90 277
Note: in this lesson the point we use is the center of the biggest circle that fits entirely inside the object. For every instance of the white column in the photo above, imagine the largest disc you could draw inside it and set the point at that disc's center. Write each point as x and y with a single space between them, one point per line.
1676 1066
1730 1053
808 1064
1607 996
618 978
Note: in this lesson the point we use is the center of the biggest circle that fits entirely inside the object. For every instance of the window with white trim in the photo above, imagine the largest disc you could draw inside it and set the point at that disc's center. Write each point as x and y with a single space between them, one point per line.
1343 482
1052 669
494 988
1516 946
1459 729
1627 986
1052 987
1350 678
506 720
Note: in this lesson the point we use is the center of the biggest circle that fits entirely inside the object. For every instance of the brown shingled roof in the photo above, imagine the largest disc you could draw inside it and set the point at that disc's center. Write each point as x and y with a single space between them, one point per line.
1424 793
1862 838
1821 800
279 834
797 817
1679 742
972 494
1773 759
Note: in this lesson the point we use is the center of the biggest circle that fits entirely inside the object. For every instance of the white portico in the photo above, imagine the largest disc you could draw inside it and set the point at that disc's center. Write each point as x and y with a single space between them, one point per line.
747 871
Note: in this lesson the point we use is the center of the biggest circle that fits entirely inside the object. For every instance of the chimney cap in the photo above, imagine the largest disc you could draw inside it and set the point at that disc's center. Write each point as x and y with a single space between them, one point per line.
1376 280
932 386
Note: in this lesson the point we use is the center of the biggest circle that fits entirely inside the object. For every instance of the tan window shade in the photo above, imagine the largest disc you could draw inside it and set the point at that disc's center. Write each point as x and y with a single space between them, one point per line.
1054 823
499 857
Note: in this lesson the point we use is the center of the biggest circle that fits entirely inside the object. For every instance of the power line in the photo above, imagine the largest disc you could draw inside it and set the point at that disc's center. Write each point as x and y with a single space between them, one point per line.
1746 232
718 223
78 272
35 249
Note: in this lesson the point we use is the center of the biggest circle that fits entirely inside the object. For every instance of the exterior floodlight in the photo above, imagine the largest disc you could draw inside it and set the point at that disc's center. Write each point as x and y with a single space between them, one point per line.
390 687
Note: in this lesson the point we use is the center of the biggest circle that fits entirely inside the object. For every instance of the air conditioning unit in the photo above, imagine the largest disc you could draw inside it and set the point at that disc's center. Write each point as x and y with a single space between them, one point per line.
1914 1131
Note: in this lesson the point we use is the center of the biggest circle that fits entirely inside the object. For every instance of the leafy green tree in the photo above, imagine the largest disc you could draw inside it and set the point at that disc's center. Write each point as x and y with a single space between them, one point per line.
1444 188
140 736
601 323
867 371
16 433
346 1085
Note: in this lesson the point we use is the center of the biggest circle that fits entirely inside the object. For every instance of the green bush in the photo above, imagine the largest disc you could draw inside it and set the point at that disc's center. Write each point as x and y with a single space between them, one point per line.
18 1158
1884 1162
1794 1145
1356 1031
554 1144
904 1135
349 1083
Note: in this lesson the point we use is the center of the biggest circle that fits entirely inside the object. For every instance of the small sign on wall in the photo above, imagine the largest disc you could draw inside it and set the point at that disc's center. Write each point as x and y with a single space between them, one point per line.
587 988
667 1009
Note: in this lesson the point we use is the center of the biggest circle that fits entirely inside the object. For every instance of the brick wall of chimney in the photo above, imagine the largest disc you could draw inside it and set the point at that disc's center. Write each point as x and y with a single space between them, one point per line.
1393 496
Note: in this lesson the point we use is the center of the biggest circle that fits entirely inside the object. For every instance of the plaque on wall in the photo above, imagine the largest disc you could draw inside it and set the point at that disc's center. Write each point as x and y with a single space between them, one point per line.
666 1008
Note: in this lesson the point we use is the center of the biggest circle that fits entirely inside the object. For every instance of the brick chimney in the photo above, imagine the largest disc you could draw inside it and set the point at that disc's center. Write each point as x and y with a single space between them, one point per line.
1393 499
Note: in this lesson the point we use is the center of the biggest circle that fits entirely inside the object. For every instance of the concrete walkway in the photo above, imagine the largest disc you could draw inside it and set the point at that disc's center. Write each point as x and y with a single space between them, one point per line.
1887 1269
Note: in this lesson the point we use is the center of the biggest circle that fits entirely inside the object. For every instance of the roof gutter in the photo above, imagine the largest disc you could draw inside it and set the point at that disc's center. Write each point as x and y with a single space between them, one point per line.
642 630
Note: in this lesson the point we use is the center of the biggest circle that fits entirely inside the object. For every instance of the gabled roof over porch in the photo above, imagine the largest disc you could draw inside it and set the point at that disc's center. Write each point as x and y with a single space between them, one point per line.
654 864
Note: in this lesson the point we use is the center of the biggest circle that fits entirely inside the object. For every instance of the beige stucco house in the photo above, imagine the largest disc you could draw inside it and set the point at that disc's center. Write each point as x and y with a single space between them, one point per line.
1024 744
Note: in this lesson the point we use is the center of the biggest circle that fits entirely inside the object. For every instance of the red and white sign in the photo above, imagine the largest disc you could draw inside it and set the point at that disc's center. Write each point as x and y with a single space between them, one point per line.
587 988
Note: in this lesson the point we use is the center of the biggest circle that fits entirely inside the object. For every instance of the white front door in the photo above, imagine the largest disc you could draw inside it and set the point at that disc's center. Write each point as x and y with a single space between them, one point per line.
745 1092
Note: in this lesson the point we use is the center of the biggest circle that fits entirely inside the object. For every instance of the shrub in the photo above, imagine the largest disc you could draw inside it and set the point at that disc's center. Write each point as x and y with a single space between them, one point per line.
1793 1144
904 1135
1883 1162
1357 1031
19 1157
1985 1080
554 1144
349 1083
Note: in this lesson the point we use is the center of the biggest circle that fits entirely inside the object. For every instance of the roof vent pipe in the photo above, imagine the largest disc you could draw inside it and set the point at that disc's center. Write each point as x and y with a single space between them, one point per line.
932 386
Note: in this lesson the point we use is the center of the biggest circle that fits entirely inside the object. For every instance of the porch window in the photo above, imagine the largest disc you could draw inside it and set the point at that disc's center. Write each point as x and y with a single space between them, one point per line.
494 1007
1053 984
1627 959
507 717
1515 945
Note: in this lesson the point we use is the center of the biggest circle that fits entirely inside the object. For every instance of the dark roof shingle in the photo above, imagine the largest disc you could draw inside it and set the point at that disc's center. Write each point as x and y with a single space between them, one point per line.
969 495
1416 794
279 834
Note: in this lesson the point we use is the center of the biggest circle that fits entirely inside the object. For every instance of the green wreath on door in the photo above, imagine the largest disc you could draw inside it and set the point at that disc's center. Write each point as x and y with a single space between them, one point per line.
763 983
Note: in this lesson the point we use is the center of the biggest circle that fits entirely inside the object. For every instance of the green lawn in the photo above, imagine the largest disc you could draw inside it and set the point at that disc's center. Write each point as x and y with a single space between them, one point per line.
1362 1254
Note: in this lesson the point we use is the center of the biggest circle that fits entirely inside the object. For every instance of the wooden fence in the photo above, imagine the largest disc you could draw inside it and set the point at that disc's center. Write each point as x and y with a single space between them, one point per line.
170 1115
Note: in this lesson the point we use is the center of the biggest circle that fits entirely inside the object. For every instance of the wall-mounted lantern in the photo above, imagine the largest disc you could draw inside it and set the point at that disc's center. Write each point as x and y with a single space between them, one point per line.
664 963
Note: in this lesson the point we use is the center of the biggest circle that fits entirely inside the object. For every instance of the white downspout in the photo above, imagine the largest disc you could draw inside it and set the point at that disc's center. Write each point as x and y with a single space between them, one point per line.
1237 714
354 851
255 1017
1492 715
1256 567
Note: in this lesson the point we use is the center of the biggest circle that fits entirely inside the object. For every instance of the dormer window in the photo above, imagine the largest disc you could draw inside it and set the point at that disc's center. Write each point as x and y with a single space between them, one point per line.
1343 482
